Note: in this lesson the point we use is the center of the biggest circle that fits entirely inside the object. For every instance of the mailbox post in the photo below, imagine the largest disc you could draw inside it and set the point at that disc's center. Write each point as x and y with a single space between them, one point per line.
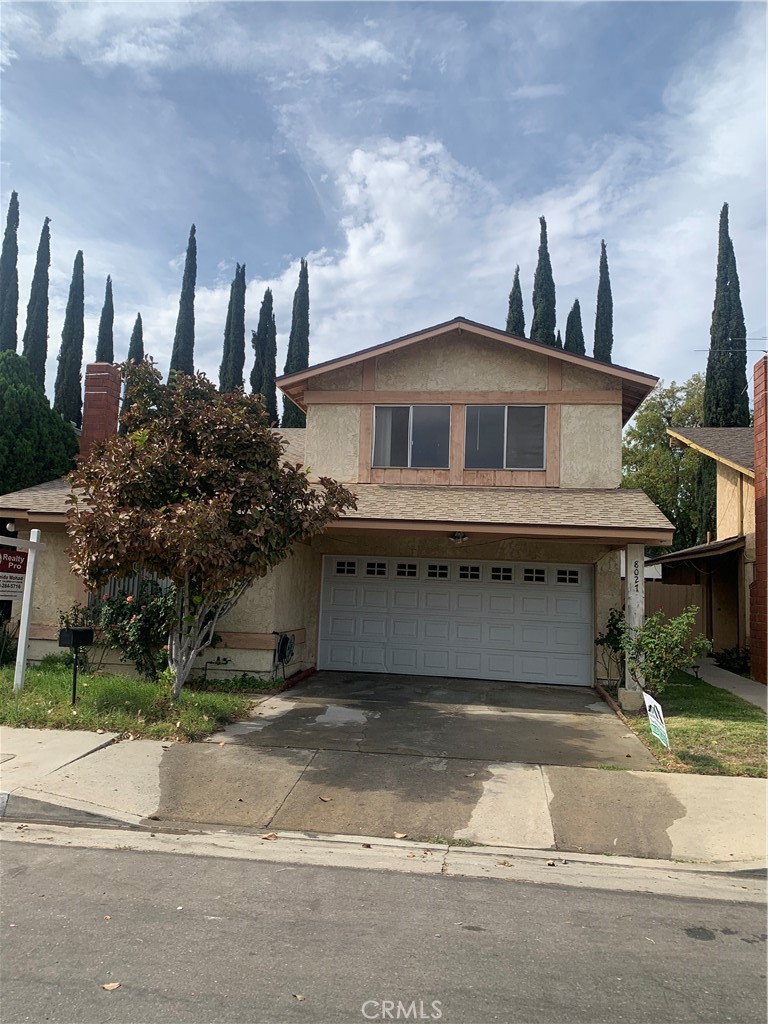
75 637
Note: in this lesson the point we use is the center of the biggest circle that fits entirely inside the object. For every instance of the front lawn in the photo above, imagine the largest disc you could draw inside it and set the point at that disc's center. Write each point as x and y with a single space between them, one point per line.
114 703
711 731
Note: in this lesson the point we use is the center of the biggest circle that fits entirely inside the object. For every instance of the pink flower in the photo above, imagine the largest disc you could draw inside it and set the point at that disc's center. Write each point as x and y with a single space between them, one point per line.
166 647
133 618
105 597
129 599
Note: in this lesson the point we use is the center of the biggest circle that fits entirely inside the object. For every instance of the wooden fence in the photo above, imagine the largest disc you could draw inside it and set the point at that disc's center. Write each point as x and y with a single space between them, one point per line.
673 598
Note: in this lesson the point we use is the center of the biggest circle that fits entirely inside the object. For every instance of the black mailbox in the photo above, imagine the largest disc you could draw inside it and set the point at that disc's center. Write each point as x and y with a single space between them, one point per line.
76 636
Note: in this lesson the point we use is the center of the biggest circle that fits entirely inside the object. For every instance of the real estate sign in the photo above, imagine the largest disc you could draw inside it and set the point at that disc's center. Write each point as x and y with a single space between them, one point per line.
656 719
13 568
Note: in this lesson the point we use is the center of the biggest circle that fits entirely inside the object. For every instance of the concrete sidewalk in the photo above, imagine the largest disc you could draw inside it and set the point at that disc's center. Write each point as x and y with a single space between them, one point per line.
748 689
75 777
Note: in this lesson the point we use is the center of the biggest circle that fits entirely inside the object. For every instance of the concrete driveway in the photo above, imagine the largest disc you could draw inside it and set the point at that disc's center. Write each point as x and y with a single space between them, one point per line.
379 755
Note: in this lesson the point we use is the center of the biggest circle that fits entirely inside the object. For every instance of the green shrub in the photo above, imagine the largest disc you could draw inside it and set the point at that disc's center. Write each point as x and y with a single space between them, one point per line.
662 647
611 645
138 627
734 659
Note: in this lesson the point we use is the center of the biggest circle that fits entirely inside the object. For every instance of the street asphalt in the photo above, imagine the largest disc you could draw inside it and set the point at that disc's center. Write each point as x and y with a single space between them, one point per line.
202 939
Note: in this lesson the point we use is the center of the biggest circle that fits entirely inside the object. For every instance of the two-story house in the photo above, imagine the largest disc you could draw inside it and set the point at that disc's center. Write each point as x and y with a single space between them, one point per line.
489 523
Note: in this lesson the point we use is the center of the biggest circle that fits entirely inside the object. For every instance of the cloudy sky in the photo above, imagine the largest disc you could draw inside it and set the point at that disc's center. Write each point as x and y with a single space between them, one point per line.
407 149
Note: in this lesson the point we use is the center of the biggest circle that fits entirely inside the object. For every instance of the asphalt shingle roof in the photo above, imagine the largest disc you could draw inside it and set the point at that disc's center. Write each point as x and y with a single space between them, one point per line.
513 506
735 444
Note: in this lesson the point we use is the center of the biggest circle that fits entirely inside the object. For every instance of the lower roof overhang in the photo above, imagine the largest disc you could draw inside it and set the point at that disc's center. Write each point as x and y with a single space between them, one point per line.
616 536
701 552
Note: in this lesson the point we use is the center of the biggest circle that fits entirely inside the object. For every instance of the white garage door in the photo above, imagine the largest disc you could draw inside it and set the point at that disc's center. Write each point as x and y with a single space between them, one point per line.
525 622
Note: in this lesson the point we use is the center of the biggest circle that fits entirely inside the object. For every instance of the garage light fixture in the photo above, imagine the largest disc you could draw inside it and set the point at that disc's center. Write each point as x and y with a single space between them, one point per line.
459 538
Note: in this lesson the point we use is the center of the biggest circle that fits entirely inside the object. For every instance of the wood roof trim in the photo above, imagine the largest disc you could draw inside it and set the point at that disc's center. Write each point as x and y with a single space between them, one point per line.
713 455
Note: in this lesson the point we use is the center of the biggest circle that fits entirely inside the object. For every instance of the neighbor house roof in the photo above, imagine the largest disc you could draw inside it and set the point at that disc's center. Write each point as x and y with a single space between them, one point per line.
635 385
718 547
516 511
733 446
48 502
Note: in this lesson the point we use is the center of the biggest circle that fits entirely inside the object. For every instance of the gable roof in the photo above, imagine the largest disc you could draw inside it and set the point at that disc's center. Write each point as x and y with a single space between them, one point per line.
733 446
635 385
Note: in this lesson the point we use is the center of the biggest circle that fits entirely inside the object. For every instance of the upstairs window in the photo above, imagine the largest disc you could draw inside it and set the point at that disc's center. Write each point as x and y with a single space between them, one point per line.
505 437
412 436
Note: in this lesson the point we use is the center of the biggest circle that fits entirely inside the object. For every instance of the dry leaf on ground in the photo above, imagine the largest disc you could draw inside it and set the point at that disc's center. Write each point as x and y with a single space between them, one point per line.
326 799
111 986
400 835
269 835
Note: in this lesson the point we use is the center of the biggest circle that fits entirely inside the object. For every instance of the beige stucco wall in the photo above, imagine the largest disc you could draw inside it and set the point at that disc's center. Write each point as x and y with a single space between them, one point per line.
459 364
590 446
254 612
345 378
297 601
333 442
735 506
581 378
609 593
56 588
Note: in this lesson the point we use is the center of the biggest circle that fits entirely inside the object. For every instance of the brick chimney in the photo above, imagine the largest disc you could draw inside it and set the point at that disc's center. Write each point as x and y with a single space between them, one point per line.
758 591
101 405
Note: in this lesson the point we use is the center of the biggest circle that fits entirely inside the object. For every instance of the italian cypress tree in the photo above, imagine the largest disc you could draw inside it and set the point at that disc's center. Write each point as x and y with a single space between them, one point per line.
544 316
515 313
35 343
264 340
298 344
9 278
36 445
558 340
726 403
136 346
105 346
233 358
604 312
67 399
574 332
135 356
183 354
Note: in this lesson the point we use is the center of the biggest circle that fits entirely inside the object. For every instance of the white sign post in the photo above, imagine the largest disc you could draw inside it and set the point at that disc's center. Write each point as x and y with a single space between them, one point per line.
33 545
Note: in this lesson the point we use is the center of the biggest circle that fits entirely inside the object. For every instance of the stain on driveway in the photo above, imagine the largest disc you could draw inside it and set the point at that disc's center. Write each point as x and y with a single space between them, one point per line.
375 755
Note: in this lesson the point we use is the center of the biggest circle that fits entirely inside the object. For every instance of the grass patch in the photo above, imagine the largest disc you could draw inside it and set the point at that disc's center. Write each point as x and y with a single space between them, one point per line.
114 703
445 841
711 731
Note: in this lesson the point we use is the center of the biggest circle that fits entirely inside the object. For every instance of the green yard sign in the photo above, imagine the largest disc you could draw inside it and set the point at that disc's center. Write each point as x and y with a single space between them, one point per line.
656 719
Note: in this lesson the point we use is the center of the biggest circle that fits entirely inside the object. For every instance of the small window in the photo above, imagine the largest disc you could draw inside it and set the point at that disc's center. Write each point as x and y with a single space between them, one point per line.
501 573
406 570
531 575
469 572
437 572
505 437
412 436
567 575
346 568
376 569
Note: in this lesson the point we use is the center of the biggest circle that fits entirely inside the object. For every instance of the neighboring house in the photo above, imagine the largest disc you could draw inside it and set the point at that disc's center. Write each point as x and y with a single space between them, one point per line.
489 523
724 568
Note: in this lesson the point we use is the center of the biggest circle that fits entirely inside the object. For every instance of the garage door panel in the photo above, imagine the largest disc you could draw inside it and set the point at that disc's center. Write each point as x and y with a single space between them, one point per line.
405 629
373 658
496 625
436 662
373 629
342 625
373 597
404 659
437 629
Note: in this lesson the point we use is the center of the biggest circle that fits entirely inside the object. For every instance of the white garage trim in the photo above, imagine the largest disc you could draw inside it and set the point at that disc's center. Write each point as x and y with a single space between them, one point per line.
479 619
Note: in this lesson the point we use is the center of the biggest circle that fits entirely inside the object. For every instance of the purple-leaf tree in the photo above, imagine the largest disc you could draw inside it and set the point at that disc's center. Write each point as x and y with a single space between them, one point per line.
196 490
